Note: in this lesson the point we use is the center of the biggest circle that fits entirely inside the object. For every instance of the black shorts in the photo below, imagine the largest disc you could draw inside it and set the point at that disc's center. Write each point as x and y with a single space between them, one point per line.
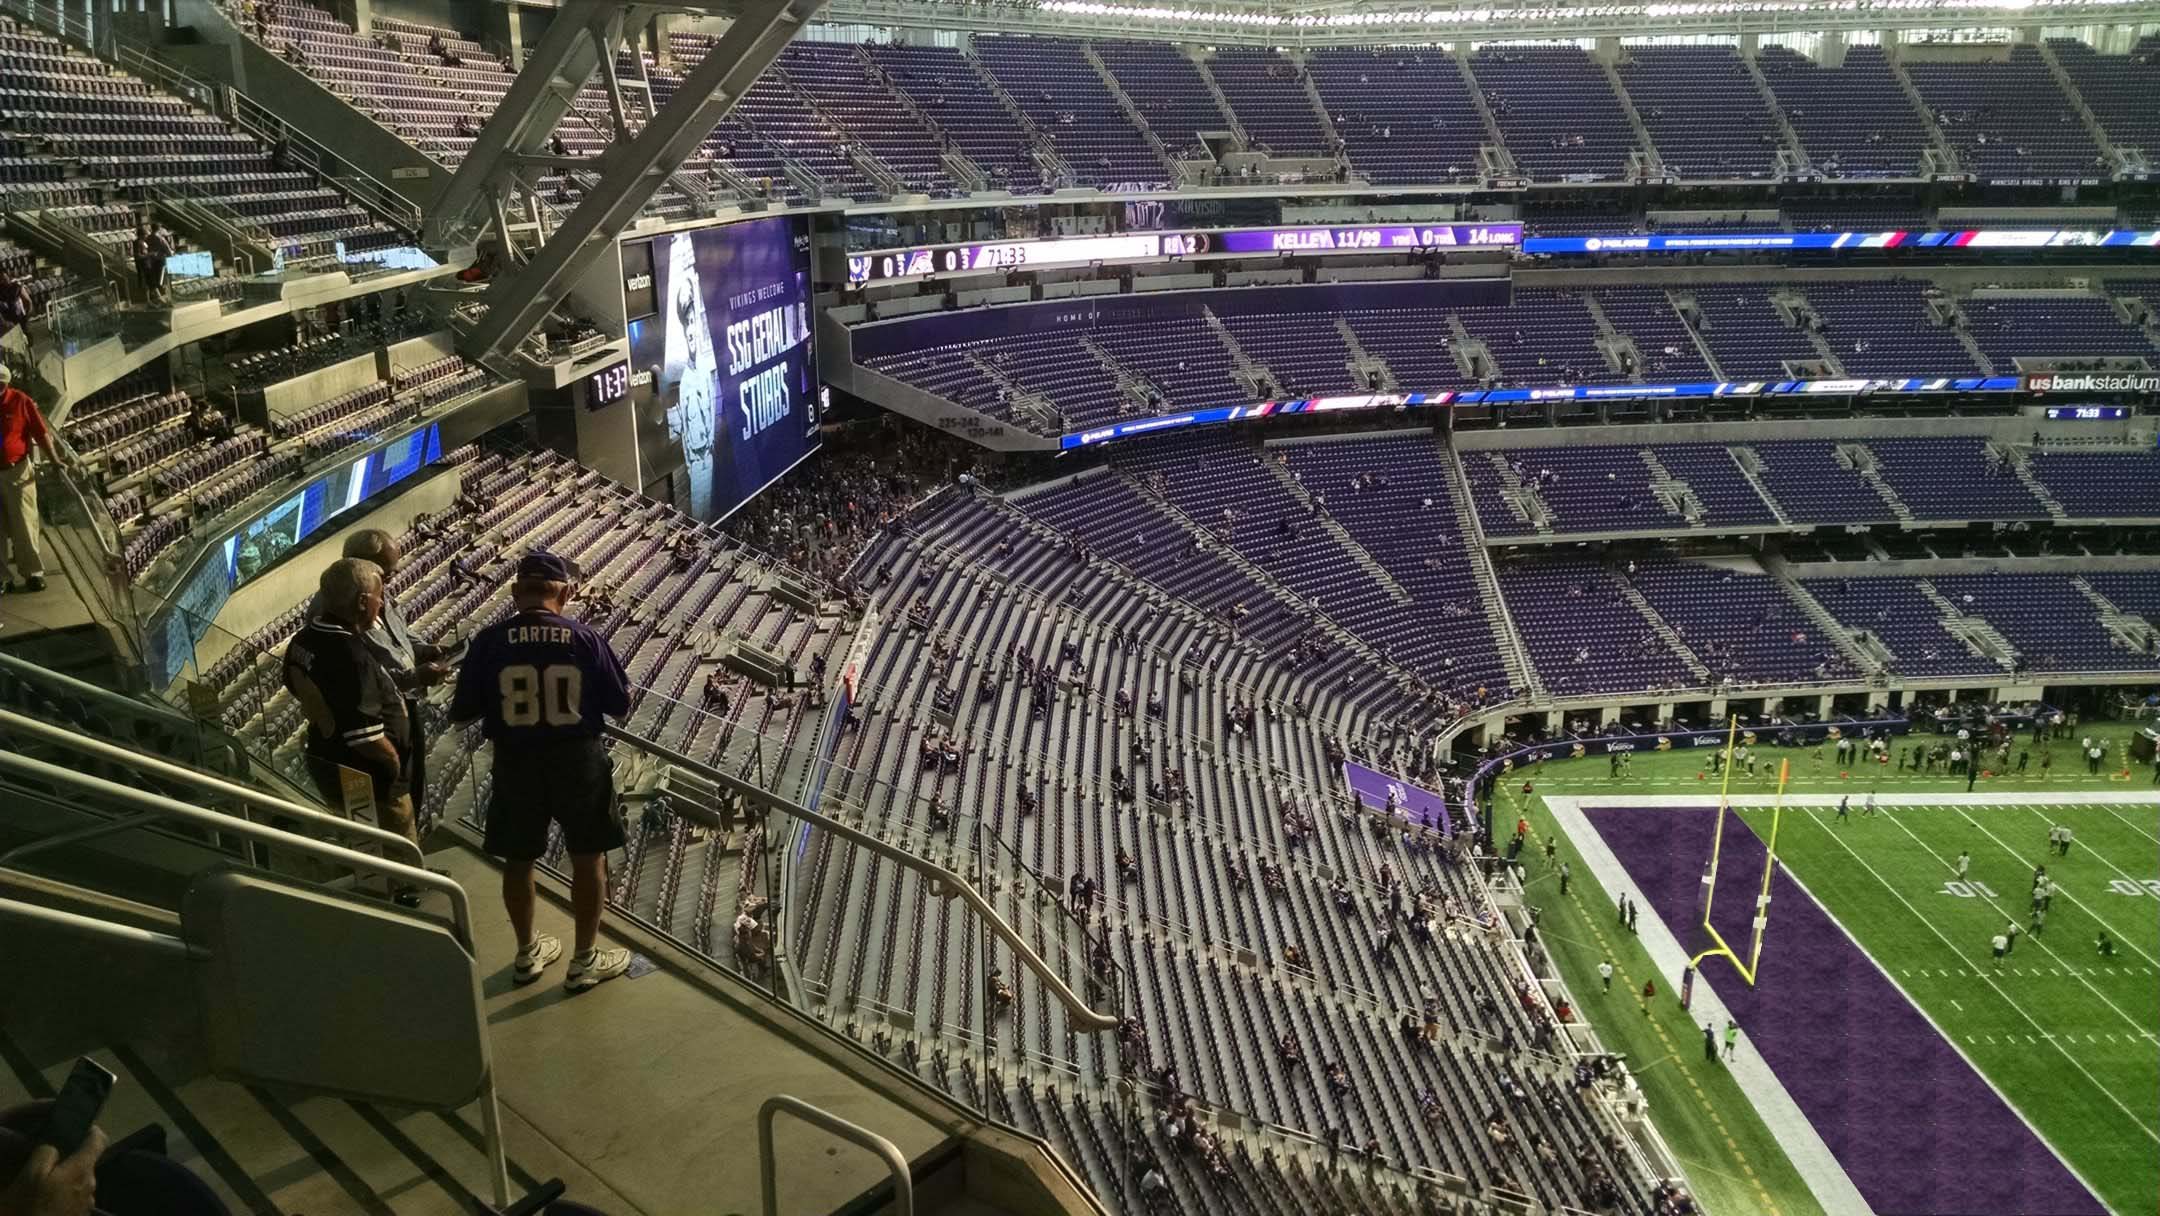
572 784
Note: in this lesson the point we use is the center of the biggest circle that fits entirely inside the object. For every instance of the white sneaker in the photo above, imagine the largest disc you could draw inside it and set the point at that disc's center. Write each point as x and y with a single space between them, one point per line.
596 967
534 958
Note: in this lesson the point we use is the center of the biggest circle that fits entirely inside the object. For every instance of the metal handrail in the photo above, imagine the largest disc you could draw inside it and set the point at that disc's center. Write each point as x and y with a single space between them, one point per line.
89 926
1083 1015
95 692
142 62
357 183
156 806
903 1202
77 741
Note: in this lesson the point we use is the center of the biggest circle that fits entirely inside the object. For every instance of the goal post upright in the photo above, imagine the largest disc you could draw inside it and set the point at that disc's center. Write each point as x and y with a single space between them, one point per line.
1762 897
1717 843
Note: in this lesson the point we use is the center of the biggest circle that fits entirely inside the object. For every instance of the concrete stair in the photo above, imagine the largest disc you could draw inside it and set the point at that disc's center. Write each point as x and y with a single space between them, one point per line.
1319 108
1622 355
1800 314
2135 632
1521 499
1358 553
1222 99
599 1129
1275 586
1790 136
2077 100
1653 164
1750 466
1363 363
2014 457
963 169
1674 494
1023 400
1513 654
1941 157
1871 656
1981 638
1040 148
1665 631
1136 388
1684 305
1859 459
1494 152
1473 358
1947 313
1249 372
1132 112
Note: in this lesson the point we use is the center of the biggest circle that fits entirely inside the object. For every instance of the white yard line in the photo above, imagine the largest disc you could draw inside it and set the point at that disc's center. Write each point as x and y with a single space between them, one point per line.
2040 941
1587 840
1978 798
2131 825
2021 859
1811 1158
2037 1027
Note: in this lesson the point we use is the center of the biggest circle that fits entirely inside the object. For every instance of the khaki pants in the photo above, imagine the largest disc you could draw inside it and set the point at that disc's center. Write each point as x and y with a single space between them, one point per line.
19 516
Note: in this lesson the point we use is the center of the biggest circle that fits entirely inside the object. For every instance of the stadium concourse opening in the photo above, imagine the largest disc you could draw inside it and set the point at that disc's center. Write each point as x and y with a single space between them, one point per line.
1265 611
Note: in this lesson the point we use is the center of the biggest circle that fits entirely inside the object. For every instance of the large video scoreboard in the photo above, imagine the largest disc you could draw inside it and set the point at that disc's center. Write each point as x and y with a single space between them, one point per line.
726 343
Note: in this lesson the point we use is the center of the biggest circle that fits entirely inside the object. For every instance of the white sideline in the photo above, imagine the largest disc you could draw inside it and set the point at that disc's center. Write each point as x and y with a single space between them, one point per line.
1818 1168
1832 1187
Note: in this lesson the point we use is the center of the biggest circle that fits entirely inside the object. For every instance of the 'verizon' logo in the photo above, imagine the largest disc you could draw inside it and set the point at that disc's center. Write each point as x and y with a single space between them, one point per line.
2094 382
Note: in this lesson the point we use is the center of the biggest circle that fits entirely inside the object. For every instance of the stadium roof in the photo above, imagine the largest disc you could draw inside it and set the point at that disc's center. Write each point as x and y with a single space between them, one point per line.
1358 22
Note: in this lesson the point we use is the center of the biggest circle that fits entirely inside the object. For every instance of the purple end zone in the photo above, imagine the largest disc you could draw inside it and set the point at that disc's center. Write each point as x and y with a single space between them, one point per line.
1371 787
1916 1128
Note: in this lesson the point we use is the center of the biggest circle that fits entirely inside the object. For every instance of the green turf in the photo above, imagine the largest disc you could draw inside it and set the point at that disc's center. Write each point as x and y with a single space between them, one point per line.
1732 1159
2069 1038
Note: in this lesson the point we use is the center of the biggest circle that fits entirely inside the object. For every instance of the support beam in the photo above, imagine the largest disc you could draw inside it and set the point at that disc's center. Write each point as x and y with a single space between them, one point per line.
521 298
538 98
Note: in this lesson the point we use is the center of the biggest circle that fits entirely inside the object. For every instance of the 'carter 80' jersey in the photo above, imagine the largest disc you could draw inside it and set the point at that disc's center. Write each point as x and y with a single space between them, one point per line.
538 678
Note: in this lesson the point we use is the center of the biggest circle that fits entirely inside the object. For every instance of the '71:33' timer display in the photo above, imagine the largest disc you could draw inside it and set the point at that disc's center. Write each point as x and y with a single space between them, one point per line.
607 386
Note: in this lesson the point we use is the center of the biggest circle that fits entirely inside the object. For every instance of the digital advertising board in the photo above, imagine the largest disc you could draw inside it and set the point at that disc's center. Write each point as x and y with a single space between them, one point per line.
735 397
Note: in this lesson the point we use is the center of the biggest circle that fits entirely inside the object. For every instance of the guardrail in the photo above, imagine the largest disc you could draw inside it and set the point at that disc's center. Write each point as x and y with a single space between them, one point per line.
1084 1016
903 1200
150 808
357 183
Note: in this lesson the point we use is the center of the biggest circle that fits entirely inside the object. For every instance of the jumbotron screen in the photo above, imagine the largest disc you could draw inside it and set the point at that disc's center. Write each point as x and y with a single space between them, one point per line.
730 356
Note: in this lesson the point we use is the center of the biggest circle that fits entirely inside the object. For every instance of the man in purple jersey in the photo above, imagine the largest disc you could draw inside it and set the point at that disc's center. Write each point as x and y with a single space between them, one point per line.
539 683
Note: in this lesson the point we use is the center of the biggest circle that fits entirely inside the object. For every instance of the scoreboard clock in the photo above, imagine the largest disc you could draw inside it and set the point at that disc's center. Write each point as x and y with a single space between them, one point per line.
607 386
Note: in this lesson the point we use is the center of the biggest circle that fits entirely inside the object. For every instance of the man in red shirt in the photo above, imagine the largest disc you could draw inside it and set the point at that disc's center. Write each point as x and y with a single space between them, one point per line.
22 428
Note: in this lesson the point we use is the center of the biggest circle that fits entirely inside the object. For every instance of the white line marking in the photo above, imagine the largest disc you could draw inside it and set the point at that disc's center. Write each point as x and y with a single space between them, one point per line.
1900 897
1802 1143
1960 1008
2132 826
2022 860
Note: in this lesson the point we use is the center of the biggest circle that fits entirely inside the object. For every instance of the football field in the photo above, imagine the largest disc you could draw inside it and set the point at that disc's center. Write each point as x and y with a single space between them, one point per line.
2071 1038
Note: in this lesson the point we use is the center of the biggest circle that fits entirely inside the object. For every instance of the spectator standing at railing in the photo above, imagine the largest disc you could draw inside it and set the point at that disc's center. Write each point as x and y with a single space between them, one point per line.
151 248
15 308
542 684
356 719
22 430
414 666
